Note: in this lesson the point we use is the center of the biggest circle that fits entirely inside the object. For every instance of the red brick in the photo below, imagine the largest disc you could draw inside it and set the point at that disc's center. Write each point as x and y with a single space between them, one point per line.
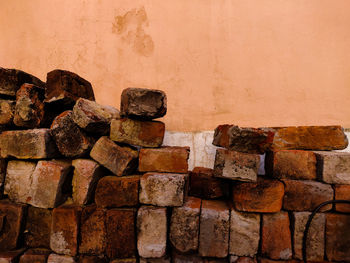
10 256
36 255
7 110
265 260
244 260
342 192
55 258
115 191
92 259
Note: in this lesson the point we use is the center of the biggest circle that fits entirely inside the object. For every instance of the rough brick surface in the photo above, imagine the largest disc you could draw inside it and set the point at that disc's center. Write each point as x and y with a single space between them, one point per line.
135 132
143 103
214 229
333 167
265 196
184 225
180 258
7 110
3 167
235 259
155 260
11 256
306 195
36 255
342 192
291 164
115 191
244 233
54 258
165 159
162 189
28 144
93 259
236 166
276 237
152 231
119 160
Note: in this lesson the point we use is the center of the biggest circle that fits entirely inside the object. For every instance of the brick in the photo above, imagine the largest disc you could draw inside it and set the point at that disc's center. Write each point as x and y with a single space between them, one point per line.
315 241
246 140
265 260
333 167
162 189
320 138
27 144
244 233
38 227
276 236
235 259
92 231
18 180
7 110
306 195
337 237
36 255
49 178
119 160
12 215
184 225
3 168
29 109
152 231
10 256
265 196
115 191
179 258
155 260
143 103
93 117
92 259
124 260
86 175
64 230
66 87
291 164
214 229
203 184
136 132
71 141
215 260
165 159
121 233
236 166
342 192
12 79
54 258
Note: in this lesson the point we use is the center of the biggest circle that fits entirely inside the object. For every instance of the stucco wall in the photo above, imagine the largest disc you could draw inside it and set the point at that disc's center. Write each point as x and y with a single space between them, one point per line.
248 62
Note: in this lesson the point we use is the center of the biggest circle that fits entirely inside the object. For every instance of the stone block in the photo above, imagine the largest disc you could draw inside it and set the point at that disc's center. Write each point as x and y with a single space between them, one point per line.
55 258
143 103
10 256
244 234
35 255
306 195
124 260
235 259
342 192
7 111
236 165
165 159
93 259
214 229
264 196
276 240
152 231
265 260
186 258
162 189
119 160
115 191
184 225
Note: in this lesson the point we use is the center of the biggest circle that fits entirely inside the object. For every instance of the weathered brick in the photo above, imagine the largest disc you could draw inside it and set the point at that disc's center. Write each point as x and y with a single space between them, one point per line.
115 191
236 165
38 227
214 260
93 259
235 259
3 168
48 181
333 167
214 229
119 160
92 231
124 260
265 196
143 103
184 225
291 164
54 258
188 258
27 144
152 231
265 260
7 111
165 159
64 230
320 138
136 132
121 233
93 117
247 140
155 260
276 237
86 175
244 233
315 240
306 195
10 256
338 237
35 255
67 87
12 215
342 192
162 189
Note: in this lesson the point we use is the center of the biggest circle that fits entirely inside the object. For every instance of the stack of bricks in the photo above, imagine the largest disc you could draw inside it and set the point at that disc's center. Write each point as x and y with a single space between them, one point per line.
83 182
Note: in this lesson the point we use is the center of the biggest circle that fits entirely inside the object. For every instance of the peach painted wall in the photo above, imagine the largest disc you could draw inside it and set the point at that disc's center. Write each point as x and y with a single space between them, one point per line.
248 62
